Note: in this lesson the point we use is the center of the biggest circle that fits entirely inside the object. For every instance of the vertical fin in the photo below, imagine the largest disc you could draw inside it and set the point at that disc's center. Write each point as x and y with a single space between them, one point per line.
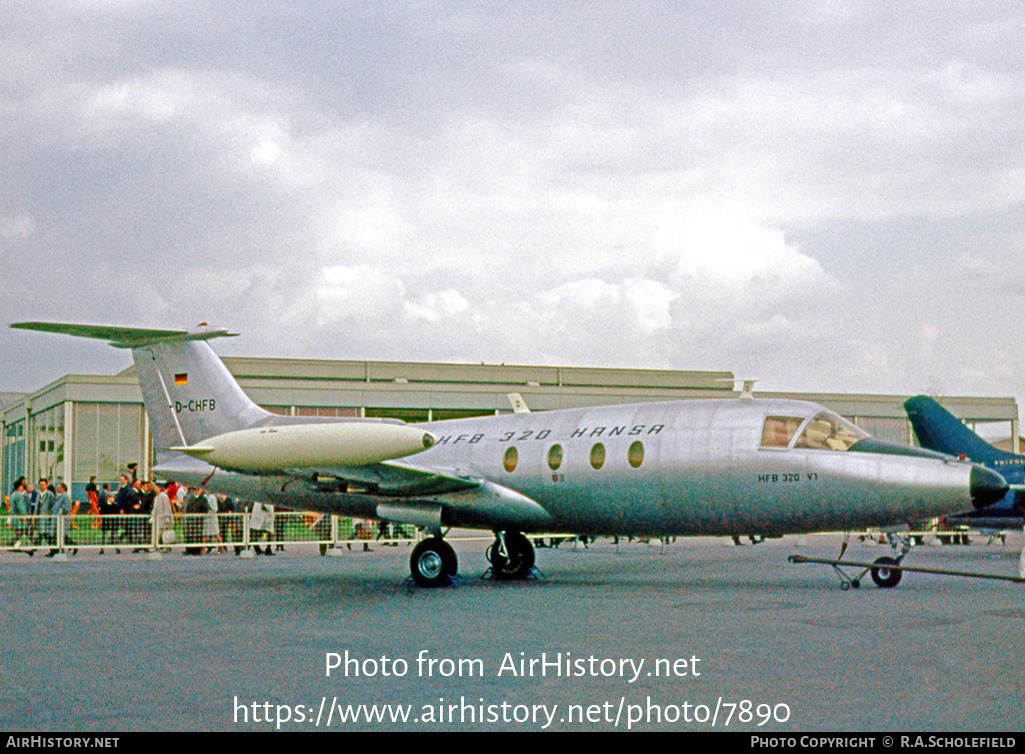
189 394
938 429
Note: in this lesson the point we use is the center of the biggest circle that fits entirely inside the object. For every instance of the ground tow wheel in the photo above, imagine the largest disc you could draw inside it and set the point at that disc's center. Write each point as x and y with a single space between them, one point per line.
883 575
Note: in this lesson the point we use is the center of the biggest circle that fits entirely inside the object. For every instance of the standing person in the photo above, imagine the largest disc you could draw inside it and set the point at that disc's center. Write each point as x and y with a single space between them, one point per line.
232 521
211 524
19 509
108 517
163 517
32 498
121 499
92 494
136 526
261 527
195 506
171 490
31 506
147 496
61 507
46 527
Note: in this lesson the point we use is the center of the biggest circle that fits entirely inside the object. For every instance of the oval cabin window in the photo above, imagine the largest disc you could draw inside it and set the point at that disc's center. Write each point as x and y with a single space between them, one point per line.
636 454
512 456
598 455
555 457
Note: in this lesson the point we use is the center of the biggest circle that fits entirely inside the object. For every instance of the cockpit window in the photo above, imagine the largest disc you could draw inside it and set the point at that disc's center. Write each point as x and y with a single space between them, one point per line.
779 430
828 431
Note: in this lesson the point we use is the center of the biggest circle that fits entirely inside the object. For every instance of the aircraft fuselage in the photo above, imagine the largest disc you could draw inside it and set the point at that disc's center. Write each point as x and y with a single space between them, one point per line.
697 467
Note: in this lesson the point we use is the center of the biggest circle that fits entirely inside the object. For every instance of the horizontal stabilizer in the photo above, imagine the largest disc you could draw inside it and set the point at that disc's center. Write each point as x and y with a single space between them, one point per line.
124 337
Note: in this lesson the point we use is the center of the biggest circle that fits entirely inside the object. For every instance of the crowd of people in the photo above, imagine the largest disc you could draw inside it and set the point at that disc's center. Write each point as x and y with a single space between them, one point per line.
134 512
140 515
27 500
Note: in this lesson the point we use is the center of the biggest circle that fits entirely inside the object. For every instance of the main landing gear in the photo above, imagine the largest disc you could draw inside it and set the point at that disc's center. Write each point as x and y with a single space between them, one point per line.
433 562
511 556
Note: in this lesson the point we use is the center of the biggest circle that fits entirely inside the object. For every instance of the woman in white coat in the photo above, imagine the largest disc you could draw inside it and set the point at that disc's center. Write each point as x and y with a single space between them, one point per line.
163 517
211 524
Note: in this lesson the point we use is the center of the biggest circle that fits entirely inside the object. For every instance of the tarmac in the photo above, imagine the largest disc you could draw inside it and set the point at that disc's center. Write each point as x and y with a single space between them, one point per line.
692 636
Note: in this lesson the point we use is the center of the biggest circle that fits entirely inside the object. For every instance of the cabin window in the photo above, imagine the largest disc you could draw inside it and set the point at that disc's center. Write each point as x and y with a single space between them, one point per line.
598 455
555 457
829 431
636 454
779 430
512 457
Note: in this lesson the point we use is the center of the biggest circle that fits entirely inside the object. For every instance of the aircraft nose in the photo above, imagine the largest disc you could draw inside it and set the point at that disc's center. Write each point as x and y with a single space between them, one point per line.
986 486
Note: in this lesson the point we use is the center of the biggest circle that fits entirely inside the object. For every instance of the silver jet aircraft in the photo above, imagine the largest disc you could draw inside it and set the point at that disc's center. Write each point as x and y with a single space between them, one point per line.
699 467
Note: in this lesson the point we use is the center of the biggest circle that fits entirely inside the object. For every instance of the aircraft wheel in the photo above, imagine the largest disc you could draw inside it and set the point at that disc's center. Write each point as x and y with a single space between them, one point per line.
520 559
432 562
885 577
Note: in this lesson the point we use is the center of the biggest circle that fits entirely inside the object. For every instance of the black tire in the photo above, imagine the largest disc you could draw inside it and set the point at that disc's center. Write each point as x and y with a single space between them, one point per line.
884 576
520 562
433 562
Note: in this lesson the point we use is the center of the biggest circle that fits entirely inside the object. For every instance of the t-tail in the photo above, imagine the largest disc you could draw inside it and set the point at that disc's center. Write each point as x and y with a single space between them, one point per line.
188 392
938 429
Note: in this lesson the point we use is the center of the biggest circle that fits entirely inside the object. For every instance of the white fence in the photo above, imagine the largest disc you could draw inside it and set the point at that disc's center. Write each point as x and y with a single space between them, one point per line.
193 531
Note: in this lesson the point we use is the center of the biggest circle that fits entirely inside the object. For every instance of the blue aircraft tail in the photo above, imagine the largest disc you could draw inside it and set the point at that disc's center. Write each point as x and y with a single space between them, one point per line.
938 429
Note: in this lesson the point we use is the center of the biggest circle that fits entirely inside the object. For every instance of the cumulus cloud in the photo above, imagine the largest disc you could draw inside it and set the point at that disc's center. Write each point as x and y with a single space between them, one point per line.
16 228
782 192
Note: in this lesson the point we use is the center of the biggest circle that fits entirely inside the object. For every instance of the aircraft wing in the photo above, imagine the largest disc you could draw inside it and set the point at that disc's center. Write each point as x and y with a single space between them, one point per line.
434 497
393 478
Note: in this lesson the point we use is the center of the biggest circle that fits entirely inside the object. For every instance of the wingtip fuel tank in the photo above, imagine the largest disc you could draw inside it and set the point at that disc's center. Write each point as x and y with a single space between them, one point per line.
271 449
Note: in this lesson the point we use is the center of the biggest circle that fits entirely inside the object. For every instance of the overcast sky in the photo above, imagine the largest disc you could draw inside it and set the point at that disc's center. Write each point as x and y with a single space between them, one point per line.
824 195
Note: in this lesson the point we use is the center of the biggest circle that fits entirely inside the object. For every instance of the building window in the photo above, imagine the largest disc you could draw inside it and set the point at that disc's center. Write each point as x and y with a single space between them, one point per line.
107 437
636 454
408 415
512 456
598 455
555 457
331 411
